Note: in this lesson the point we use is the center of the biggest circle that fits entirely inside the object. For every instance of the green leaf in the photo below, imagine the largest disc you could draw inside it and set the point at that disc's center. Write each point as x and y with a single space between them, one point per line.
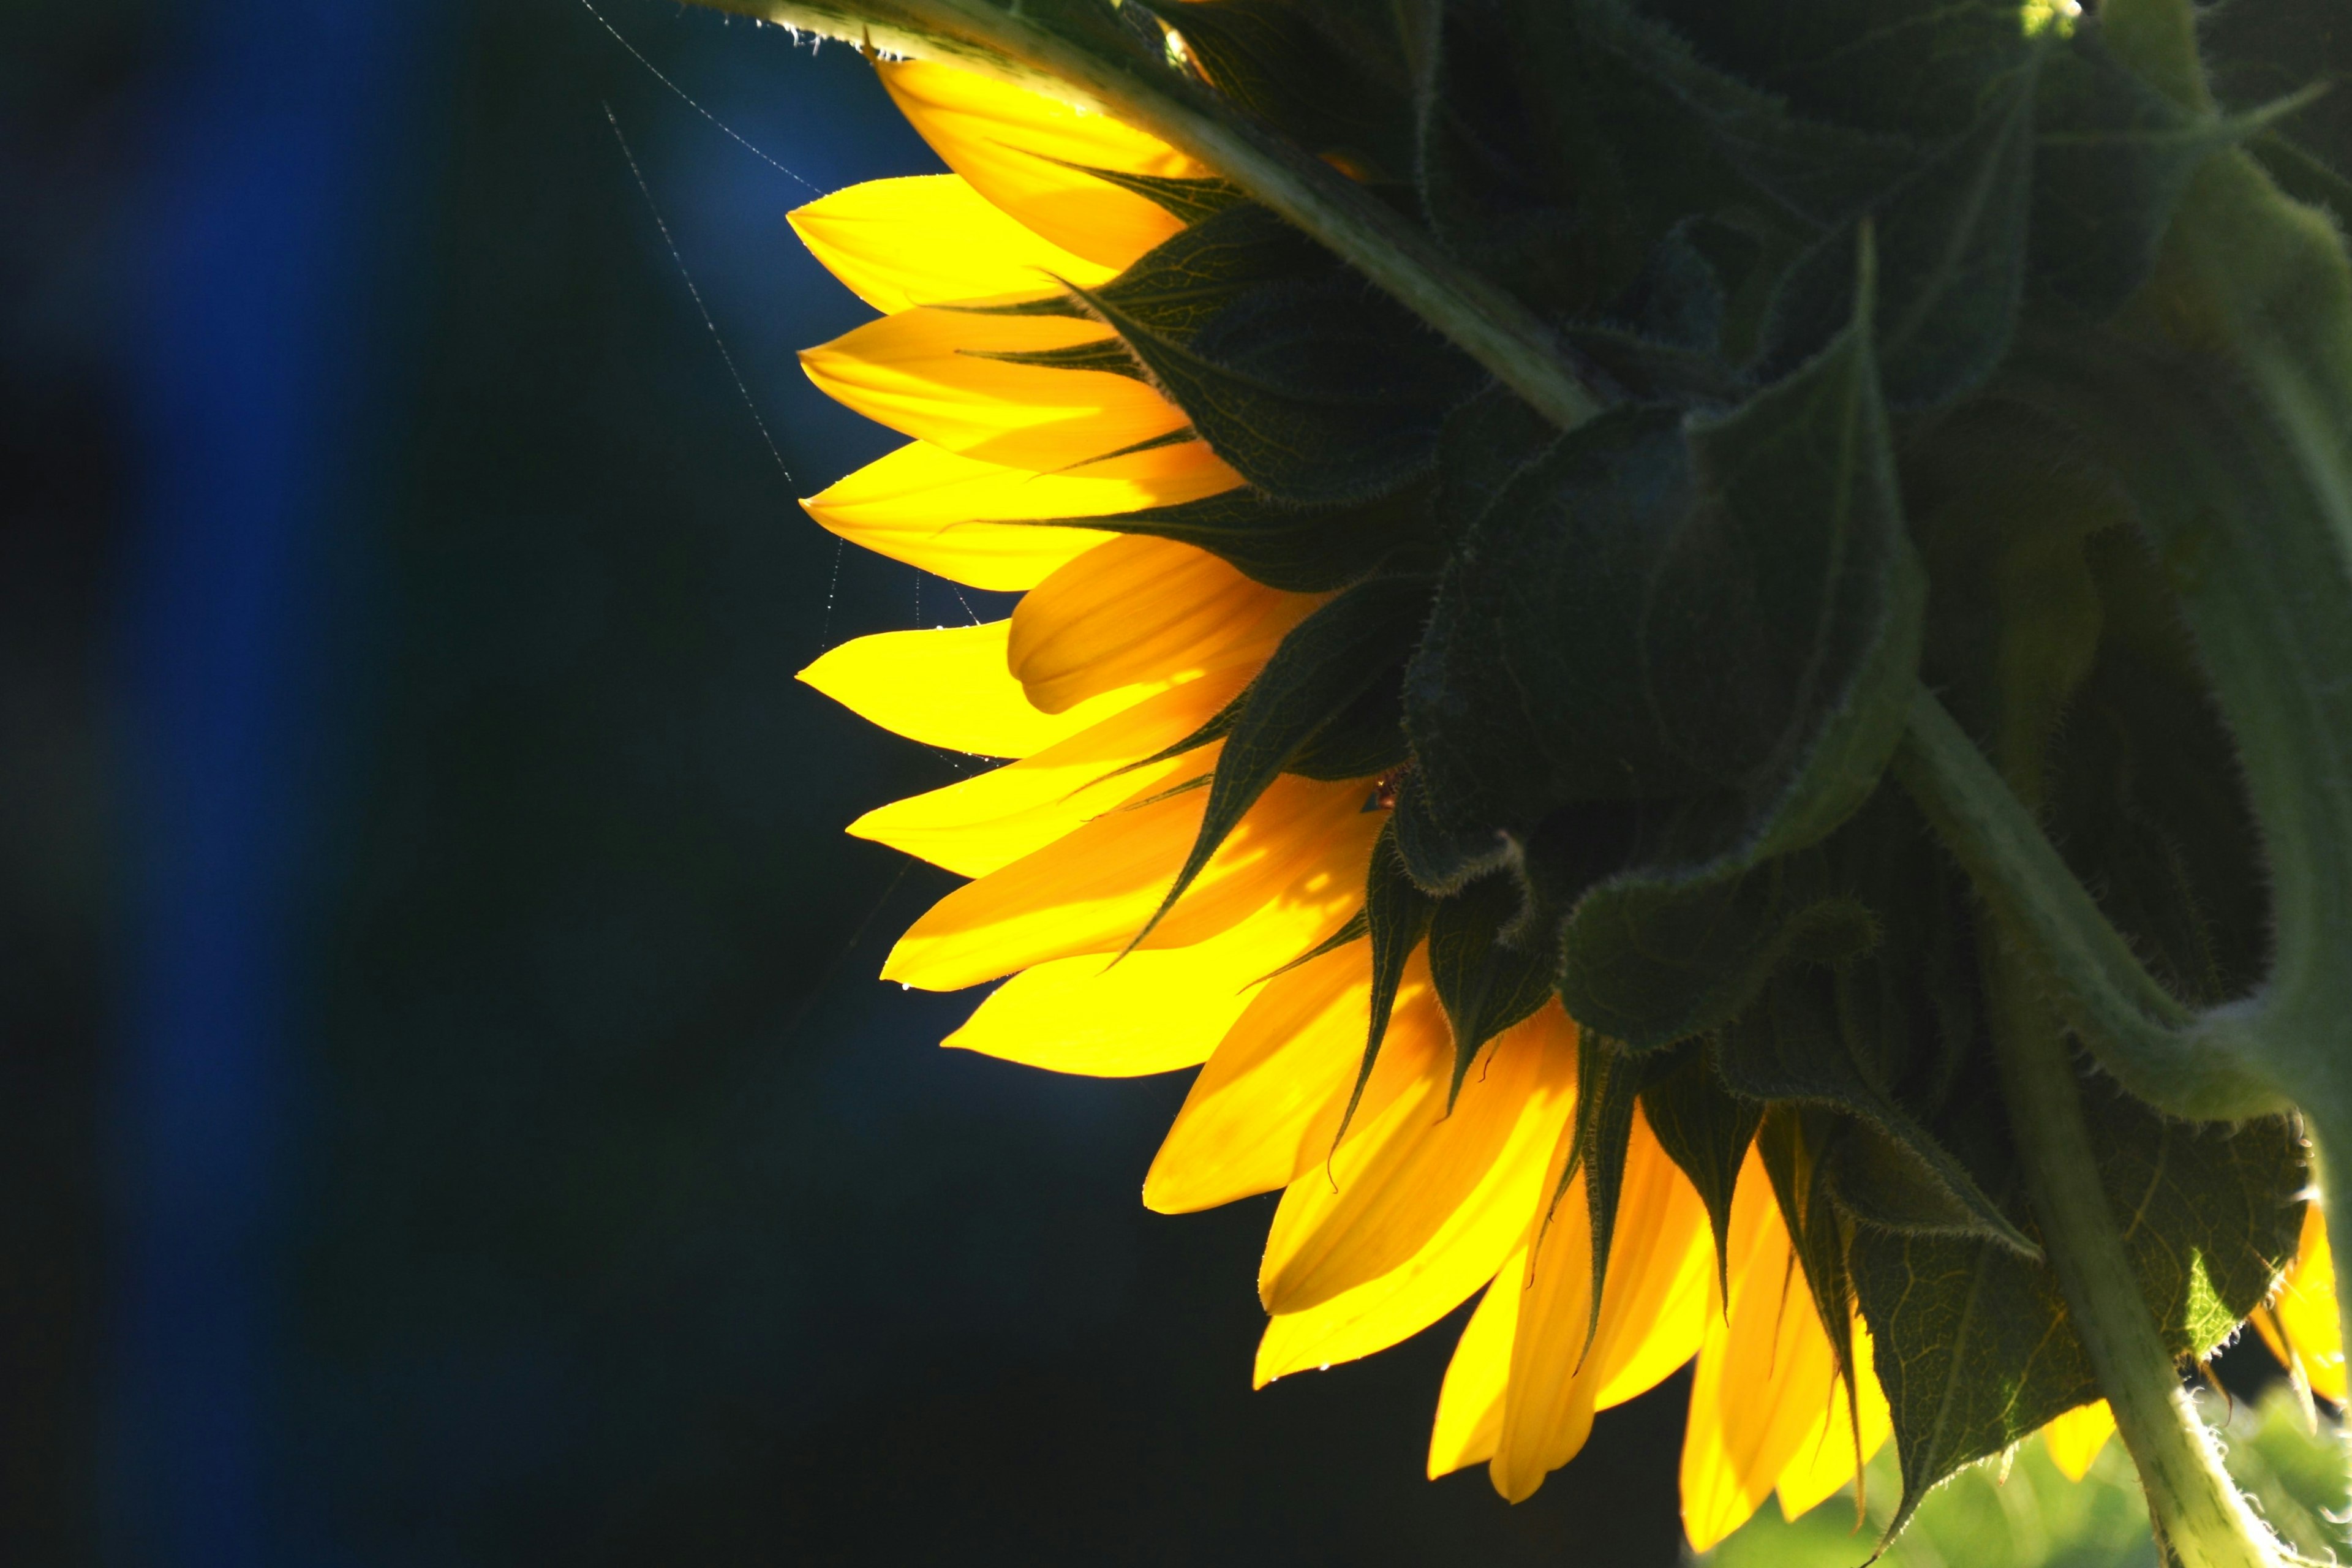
1486 982
1951 242
1705 1130
1972 1344
1814 171
1326 662
2112 157
2259 53
1397 914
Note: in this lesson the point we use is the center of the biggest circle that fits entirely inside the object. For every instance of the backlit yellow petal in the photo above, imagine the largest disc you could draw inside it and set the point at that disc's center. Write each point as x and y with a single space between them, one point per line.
1470 1404
977 825
930 239
1766 1373
1420 1174
970 521
923 372
949 688
1016 147
1153 1011
1556 1374
2305 1310
1265 1107
1094 890
1140 608
2076 1439
1463 1250
1826 1458
1642 1331
1546 1412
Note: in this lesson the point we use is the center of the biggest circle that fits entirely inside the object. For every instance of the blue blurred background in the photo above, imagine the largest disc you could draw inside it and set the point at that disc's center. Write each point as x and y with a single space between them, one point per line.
446 1114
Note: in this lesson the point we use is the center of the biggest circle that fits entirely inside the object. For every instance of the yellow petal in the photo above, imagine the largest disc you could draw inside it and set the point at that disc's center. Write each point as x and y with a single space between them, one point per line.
1546 1414
1140 608
1016 148
2305 1309
1461 1252
949 688
930 239
1826 1456
2076 1439
1470 1404
970 521
1265 1107
1556 1376
981 823
1421 1176
1766 1373
925 373
1093 890
1150 1012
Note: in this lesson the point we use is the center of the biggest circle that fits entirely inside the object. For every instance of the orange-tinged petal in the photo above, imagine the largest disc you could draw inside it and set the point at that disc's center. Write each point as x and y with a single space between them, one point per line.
1556 1376
1265 1110
1826 1458
976 522
925 373
1094 890
1017 148
1153 1011
2076 1439
1469 1242
928 239
1766 1373
2305 1310
1421 1173
981 823
1140 608
949 688
1470 1404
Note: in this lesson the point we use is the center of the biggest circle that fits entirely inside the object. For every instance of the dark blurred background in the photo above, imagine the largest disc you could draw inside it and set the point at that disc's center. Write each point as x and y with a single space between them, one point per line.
446 1115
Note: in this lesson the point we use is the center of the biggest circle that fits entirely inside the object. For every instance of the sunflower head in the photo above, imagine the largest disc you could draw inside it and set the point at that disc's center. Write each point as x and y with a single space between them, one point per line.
1503 811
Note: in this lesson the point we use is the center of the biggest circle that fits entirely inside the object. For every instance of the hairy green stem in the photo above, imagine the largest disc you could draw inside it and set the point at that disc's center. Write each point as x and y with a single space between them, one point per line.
2190 1497
1102 68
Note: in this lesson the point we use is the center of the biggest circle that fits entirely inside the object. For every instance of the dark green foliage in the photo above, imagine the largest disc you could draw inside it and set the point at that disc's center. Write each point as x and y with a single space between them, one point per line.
1973 1349
1629 689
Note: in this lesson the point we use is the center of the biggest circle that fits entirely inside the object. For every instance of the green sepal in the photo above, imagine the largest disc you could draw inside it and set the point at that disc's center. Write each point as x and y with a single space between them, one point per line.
1366 738
1299 550
1108 355
1397 915
1973 1346
1356 927
1706 1131
1188 201
1322 666
1316 393
1794 1047
1485 981
1609 1081
1789 1142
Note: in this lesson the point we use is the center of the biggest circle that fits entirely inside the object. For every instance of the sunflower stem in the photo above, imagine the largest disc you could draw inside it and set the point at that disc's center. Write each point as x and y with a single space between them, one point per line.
2190 1497
1102 67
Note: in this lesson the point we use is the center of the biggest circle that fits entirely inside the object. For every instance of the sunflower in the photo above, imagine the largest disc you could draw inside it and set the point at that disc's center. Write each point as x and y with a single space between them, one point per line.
1427 1150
